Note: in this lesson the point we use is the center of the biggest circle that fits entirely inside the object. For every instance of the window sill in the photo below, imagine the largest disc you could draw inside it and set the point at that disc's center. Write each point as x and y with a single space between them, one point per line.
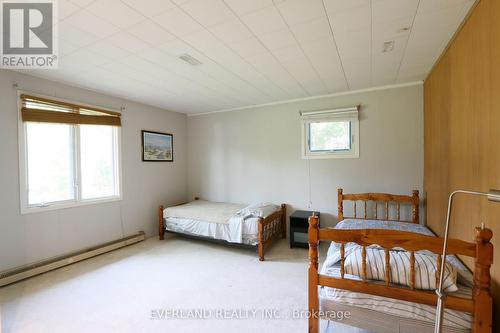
312 156
67 205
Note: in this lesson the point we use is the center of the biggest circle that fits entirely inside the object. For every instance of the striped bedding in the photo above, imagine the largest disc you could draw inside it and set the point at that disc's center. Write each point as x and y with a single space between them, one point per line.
425 268
404 309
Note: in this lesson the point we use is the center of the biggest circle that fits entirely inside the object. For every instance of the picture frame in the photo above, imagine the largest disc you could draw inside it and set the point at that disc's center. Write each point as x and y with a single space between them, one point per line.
157 146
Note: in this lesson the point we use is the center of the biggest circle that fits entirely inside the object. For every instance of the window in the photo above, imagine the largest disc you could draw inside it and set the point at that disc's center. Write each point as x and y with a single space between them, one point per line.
330 134
69 155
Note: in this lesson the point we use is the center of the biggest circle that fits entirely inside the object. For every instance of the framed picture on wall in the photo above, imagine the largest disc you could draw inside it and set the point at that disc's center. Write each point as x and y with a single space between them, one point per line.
157 147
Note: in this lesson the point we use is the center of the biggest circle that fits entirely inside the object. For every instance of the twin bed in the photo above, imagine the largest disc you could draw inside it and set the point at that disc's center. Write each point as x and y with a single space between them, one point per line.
254 225
383 272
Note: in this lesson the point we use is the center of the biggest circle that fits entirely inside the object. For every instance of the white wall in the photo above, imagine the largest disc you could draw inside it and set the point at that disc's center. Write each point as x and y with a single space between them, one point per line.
28 238
254 155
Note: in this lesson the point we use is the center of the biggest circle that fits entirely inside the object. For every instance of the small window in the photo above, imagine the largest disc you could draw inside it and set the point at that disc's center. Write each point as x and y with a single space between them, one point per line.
330 134
69 155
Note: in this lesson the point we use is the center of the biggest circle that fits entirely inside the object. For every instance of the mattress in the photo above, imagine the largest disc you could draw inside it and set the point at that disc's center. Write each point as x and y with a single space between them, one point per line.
387 315
220 231
201 210
233 223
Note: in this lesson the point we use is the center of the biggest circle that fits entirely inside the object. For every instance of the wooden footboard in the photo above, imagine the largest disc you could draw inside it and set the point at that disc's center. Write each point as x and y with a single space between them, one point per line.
161 223
270 228
482 250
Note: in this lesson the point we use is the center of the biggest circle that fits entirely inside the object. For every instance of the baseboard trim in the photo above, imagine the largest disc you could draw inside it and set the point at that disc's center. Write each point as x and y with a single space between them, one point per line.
23 272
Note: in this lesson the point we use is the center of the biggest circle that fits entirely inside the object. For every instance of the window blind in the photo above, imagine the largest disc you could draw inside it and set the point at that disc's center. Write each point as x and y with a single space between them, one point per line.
343 113
39 109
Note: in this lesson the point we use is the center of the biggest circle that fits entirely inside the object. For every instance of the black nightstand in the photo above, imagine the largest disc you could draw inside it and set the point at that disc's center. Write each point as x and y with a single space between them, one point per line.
298 227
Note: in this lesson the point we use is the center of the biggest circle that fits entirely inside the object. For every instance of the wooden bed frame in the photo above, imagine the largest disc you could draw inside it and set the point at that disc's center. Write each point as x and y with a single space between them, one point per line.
481 304
271 227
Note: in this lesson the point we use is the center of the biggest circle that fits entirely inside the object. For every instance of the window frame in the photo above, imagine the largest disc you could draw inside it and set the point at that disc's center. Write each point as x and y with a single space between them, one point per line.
339 115
78 201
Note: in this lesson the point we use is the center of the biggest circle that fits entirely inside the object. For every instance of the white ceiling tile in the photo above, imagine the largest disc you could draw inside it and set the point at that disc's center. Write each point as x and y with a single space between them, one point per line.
291 53
66 47
86 56
386 10
150 8
312 30
82 3
278 39
358 72
353 43
248 47
178 47
400 43
75 35
177 22
385 67
249 73
127 42
222 55
115 12
242 7
439 18
231 31
338 6
160 62
209 45
66 8
434 5
307 76
336 82
105 48
88 22
264 21
151 33
123 70
392 29
324 58
208 12
355 17
300 11
266 63
414 71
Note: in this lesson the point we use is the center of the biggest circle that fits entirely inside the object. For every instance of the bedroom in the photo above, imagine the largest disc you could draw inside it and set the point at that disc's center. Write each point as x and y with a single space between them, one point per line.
221 126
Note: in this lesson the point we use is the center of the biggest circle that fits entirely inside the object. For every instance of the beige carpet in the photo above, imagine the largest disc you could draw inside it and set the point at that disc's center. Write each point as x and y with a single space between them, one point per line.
143 288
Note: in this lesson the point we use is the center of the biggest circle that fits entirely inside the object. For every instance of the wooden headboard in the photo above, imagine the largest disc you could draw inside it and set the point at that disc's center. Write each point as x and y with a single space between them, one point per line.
377 198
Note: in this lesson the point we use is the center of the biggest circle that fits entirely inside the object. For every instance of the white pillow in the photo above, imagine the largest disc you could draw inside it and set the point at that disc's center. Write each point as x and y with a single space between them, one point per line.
425 268
262 209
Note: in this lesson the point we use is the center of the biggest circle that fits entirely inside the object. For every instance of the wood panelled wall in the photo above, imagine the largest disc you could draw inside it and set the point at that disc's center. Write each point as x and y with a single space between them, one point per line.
462 131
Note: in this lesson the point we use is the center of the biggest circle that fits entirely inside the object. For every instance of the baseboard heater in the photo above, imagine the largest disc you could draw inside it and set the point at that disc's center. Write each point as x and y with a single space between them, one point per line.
24 272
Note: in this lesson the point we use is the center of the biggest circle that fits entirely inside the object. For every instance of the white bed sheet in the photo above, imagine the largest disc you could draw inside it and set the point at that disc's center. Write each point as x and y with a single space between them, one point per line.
214 230
218 220
403 309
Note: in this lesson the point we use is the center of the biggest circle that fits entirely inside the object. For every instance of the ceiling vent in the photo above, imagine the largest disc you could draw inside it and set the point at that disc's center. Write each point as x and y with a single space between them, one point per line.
189 59
388 46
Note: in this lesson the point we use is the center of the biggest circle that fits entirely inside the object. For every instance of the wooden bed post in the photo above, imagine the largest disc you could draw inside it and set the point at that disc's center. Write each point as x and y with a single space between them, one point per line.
340 200
261 239
283 221
416 206
161 226
313 274
483 302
